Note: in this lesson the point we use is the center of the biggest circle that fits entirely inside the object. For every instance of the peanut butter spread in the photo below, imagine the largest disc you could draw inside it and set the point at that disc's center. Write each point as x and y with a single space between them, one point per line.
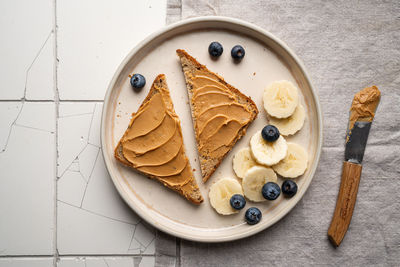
219 116
154 143
364 105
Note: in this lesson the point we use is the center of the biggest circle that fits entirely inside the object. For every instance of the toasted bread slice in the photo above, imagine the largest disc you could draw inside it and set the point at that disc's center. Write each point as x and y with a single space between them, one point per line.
145 148
199 82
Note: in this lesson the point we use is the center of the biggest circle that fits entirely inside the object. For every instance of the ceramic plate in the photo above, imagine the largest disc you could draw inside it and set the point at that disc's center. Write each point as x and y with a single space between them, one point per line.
267 59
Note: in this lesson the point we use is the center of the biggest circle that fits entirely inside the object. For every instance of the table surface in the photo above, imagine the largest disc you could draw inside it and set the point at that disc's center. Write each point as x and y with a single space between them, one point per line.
58 205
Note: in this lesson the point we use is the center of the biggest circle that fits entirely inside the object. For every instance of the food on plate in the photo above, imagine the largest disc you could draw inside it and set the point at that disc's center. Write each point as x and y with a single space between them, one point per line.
289 188
153 144
242 161
270 133
254 180
220 195
280 99
220 113
267 153
138 81
237 202
292 124
238 52
271 191
215 49
295 162
253 215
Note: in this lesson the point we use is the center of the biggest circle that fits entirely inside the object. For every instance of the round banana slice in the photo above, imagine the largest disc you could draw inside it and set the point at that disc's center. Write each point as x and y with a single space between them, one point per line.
221 193
292 124
281 99
242 161
295 162
267 153
255 178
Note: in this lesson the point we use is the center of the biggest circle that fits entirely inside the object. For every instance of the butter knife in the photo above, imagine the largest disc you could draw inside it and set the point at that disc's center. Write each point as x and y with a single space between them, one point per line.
362 113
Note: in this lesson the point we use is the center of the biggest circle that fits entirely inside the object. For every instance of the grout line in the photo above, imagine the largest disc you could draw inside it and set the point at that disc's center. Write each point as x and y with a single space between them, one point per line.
25 256
73 256
57 104
26 100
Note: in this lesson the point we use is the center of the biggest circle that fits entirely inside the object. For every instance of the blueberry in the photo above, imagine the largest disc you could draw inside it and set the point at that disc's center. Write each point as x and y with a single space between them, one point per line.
215 49
238 202
271 191
289 188
253 215
238 52
138 81
270 133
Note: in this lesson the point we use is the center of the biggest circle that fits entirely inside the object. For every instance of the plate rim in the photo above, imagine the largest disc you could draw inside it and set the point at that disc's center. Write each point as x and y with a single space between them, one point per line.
142 44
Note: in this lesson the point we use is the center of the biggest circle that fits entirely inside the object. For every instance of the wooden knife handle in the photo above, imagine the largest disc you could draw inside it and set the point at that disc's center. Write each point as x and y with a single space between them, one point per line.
346 200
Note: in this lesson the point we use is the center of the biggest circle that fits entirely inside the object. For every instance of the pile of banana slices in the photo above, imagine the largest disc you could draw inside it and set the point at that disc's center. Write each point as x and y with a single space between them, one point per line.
262 161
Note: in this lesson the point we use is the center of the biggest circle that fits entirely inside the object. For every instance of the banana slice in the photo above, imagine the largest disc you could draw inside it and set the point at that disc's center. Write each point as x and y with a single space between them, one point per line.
292 124
281 99
295 162
267 153
221 193
242 161
254 180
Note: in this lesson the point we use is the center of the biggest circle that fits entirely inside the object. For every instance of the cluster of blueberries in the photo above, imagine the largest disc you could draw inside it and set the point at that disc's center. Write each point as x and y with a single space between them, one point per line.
215 49
270 190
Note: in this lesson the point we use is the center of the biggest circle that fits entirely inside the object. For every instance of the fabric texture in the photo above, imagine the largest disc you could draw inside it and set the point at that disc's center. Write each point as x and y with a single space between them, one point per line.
345 46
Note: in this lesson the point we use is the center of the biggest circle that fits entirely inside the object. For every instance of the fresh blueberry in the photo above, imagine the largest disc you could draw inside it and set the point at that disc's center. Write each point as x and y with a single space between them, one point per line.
238 202
138 81
238 52
271 191
253 215
215 49
270 133
289 188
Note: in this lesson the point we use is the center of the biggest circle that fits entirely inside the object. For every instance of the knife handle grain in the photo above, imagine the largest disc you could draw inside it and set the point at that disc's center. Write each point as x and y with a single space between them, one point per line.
346 200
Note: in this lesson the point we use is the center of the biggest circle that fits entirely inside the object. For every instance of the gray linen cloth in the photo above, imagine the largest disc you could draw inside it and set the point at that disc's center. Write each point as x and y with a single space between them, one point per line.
345 46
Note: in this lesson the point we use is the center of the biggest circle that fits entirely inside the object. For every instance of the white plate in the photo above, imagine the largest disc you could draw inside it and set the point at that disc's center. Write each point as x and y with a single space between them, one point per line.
267 59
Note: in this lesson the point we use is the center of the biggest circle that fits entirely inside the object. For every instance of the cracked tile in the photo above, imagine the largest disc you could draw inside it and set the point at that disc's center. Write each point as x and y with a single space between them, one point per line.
102 197
26 51
8 114
87 159
23 262
122 261
73 132
89 192
40 76
144 235
94 136
37 115
83 232
71 187
86 66
28 192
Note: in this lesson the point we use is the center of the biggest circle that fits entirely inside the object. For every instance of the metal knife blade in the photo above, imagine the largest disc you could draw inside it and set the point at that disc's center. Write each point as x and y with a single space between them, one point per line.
362 113
357 140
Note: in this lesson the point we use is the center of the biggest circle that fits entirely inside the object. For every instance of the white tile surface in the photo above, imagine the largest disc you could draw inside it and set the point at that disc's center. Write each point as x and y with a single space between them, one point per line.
92 38
26 49
147 261
92 218
95 36
26 262
27 168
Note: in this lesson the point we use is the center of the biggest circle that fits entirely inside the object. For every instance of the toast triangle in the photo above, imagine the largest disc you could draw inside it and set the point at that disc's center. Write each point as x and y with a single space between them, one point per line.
188 188
192 70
